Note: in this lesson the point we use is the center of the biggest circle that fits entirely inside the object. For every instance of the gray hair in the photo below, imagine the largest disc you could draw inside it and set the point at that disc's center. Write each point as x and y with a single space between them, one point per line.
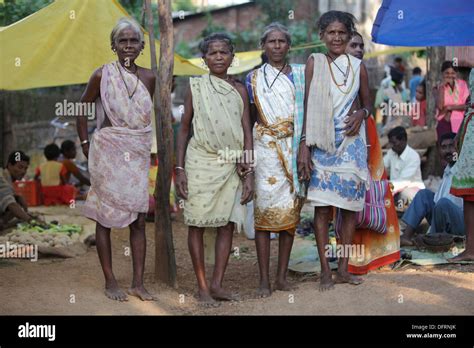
122 24
275 26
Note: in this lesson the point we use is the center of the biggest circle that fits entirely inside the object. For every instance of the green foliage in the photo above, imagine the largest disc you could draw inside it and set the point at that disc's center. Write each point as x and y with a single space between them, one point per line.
183 5
249 40
12 11
421 54
276 10
211 27
134 8
186 49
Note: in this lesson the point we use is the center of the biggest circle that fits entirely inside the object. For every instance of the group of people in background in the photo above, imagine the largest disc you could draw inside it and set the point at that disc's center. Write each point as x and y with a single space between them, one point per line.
59 181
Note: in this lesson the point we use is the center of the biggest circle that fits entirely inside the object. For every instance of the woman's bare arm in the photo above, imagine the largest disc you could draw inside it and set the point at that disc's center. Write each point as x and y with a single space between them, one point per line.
91 93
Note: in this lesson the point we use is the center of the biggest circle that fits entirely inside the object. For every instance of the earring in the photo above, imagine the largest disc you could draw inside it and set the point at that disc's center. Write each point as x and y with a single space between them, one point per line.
142 52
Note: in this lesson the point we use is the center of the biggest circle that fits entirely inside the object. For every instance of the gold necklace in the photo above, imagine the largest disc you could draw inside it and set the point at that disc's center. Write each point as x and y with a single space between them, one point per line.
334 79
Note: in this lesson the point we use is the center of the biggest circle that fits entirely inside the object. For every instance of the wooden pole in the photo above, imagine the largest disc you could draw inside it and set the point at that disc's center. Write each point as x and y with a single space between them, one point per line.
3 116
165 262
435 57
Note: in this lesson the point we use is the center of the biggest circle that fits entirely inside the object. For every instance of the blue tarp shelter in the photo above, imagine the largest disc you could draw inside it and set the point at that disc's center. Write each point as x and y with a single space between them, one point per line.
425 23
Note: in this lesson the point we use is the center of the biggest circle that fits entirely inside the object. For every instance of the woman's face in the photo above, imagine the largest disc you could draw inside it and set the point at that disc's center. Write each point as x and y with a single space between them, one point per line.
420 93
335 38
276 47
218 57
128 45
449 75
356 47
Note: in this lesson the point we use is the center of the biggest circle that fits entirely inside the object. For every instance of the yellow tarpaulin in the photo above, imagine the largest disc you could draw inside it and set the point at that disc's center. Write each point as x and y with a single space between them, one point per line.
63 43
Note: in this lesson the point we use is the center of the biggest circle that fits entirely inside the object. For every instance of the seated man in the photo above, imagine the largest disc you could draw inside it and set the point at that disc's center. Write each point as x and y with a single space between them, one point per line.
443 211
12 205
68 150
403 165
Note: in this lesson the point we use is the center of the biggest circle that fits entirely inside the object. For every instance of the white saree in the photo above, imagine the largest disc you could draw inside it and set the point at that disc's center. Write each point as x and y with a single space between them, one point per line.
276 202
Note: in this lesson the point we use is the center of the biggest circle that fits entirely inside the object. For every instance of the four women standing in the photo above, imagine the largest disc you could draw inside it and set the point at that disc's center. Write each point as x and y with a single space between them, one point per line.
309 130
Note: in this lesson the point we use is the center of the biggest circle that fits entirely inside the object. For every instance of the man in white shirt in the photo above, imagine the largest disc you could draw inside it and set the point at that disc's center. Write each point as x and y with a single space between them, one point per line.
403 165
442 210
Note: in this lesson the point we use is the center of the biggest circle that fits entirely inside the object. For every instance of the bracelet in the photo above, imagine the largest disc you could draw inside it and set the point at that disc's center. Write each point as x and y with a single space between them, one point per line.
303 138
367 113
84 142
251 172
245 176
178 168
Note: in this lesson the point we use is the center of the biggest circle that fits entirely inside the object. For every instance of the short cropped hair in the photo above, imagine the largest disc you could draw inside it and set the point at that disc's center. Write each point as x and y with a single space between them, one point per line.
17 156
398 132
52 152
67 145
122 24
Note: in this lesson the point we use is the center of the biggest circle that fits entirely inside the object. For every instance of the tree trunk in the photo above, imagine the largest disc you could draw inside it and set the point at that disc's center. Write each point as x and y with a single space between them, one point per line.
435 57
165 262
6 129
3 110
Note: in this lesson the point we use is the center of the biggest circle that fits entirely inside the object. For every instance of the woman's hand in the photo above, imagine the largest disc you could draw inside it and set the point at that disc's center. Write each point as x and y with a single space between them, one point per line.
85 150
354 121
182 184
305 163
243 168
248 189
447 115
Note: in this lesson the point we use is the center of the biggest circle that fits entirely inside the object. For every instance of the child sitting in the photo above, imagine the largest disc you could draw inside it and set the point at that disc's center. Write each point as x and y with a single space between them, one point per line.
52 176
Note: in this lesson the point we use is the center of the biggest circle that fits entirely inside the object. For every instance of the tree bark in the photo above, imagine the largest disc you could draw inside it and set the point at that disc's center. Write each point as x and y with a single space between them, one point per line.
435 57
165 262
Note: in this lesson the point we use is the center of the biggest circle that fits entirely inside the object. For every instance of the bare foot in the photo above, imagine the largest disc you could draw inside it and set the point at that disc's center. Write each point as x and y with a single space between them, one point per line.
205 300
326 282
264 290
223 295
283 286
141 293
464 256
406 241
346 277
113 292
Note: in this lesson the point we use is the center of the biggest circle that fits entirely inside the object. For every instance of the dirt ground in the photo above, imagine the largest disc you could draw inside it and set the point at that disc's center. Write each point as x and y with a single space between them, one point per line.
75 286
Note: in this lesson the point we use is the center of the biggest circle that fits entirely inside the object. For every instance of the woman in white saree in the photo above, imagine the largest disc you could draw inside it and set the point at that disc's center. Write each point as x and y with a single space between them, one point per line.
333 153
276 93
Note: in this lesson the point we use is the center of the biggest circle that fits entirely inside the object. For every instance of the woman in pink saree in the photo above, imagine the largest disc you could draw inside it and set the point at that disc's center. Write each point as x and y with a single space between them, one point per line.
451 100
119 153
